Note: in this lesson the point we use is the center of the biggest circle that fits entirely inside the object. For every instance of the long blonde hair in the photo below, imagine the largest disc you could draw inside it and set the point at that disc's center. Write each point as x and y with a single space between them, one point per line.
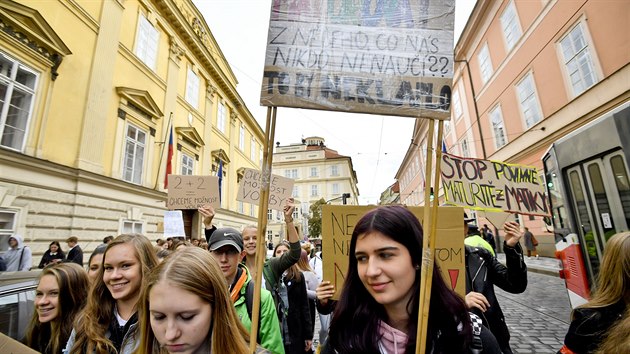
99 312
196 271
613 280
73 284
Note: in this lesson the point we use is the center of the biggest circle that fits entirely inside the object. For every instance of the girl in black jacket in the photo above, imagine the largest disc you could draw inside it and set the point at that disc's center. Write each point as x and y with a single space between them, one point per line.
54 254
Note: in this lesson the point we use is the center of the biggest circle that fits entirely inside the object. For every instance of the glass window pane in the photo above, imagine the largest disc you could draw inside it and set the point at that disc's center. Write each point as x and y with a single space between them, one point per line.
26 78
620 174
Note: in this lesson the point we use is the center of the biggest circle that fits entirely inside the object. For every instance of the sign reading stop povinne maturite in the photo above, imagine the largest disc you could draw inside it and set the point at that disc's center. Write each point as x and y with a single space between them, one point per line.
192 192
340 55
493 186
280 188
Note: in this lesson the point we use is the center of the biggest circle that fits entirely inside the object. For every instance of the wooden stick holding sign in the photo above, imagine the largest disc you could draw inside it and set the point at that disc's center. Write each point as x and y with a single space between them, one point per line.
270 129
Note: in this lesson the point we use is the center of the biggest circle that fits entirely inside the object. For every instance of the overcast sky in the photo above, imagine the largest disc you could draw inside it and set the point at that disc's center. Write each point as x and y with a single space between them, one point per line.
377 144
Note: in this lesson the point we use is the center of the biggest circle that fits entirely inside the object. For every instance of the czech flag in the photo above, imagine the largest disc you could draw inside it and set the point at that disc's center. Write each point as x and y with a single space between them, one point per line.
169 157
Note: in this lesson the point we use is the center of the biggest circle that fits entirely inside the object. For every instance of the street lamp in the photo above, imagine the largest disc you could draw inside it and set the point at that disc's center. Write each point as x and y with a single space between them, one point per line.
344 196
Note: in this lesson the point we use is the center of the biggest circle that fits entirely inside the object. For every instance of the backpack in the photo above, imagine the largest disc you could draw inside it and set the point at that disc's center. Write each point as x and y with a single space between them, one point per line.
249 303
3 265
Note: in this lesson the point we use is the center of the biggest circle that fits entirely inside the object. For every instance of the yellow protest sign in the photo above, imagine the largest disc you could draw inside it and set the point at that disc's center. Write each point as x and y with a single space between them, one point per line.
338 222
493 186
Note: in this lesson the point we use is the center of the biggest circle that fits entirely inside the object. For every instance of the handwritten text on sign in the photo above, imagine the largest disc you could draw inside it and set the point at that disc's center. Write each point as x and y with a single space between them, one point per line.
280 188
493 185
192 192
395 59
338 222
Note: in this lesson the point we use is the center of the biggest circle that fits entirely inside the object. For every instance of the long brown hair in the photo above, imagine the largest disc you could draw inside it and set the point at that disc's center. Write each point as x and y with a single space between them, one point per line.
196 271
99 312
293 273
73 282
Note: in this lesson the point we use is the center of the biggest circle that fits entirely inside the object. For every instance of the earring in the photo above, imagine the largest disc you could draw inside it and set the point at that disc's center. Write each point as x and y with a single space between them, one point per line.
417 267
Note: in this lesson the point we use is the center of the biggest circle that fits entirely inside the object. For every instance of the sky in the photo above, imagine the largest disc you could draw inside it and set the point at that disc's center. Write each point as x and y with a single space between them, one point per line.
376 144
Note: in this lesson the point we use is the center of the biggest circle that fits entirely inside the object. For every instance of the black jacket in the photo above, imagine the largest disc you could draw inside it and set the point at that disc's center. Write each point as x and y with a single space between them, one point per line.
47 258
483 272
75 255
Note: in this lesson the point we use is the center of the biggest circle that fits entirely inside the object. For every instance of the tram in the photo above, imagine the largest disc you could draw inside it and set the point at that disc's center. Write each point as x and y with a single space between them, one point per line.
587 183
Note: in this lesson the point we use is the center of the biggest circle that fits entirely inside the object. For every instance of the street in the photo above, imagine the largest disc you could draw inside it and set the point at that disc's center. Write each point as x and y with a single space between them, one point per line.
539 318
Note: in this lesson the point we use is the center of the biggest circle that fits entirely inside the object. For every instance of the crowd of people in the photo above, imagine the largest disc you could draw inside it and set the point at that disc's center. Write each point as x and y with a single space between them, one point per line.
197 296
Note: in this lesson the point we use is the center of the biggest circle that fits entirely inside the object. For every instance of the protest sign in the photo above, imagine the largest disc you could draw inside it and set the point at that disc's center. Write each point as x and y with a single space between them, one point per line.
192 192
174 224
393 59
280 188
338 222
493 186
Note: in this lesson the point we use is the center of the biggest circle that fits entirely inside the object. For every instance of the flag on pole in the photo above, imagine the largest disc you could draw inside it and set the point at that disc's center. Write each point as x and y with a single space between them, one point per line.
169 157
220 175
444 146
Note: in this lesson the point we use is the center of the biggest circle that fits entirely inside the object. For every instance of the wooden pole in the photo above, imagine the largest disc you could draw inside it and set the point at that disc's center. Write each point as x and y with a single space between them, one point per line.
427 256
262 222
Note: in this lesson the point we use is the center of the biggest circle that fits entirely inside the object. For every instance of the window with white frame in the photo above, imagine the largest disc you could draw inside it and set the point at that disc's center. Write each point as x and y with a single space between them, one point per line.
188 165
463 145
291 173
334 170
485 64
17 89
447 126
135 146
269 214
240 207
132 227
221 117
252 149
192 88
147 42
529 101
270 235
260 157
457 105
498 129
314 190
335 188
314 172
252 210
8 227
296 213
510 26
577 59
241 138
296 192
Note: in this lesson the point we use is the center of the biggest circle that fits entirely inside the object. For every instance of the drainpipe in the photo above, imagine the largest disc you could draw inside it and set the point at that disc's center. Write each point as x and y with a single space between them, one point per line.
472 89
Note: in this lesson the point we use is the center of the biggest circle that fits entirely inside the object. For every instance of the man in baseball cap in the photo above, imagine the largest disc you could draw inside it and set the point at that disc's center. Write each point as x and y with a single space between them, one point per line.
226 246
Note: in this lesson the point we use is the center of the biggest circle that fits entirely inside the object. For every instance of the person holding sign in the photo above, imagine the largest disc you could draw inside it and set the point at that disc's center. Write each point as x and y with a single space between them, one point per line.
377 311
484 271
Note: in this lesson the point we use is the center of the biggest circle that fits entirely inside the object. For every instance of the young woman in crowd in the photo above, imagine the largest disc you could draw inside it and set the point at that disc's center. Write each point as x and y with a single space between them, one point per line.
95 262
378 308
312 282
592 321
53 255
109 322
293 309
203 320
59 298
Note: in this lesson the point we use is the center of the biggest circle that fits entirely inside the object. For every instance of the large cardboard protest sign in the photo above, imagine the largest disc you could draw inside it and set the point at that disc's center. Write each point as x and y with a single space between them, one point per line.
372 56
493 186
338 222
192 192
280 188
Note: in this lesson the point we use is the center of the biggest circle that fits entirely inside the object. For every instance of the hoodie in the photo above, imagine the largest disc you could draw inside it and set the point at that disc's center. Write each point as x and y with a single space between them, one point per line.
13 255
393 341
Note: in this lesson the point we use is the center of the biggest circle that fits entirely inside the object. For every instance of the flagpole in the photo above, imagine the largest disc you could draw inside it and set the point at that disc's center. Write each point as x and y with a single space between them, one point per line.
164 143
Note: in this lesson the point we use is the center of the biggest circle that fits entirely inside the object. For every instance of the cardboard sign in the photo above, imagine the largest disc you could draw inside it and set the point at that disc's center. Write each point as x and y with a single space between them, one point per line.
174 224
9 345
192 192
339 55
280 188
493 186
338 222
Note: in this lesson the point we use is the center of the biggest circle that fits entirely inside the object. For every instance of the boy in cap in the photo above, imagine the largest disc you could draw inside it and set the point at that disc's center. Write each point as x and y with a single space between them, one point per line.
226 246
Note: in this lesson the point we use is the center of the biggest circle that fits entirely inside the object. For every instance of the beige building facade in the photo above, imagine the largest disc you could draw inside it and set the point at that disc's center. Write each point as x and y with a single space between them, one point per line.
89 92
526 74
319 173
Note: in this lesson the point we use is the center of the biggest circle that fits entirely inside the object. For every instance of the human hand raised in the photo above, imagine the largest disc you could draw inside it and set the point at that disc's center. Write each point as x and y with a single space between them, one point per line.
208 213
325 291
512 233
288 210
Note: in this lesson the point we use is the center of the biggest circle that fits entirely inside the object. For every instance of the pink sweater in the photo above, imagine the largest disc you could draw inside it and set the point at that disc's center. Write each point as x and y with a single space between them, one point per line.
393 341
